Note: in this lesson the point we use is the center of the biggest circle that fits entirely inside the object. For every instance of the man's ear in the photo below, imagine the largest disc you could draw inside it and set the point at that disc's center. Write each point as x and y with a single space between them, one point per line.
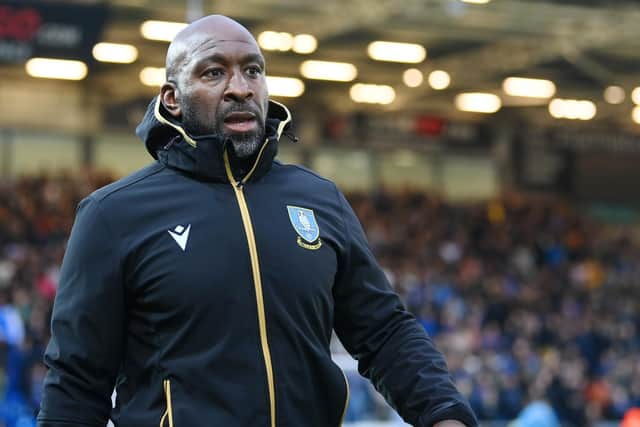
169 99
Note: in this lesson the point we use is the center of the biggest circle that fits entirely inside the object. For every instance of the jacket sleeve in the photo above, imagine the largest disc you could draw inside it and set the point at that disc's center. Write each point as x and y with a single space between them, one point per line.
391 347
84 353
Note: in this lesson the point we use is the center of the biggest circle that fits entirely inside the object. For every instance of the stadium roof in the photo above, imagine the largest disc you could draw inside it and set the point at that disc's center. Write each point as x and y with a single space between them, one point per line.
582 46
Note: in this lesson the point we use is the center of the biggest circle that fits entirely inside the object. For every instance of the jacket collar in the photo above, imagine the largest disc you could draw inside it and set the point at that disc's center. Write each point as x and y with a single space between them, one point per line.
204 156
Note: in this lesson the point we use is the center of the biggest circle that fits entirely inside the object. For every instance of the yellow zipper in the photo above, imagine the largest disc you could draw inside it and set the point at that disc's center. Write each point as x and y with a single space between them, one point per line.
253 168
257 280
346 399
168 413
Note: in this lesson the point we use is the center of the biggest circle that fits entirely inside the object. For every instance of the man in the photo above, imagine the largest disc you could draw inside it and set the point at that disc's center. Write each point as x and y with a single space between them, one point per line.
205 286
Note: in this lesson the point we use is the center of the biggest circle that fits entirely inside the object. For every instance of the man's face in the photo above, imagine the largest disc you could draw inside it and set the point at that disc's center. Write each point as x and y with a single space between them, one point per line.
222 90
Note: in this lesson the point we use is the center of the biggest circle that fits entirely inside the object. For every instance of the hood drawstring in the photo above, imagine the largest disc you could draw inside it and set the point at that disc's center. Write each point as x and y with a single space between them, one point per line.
171 142
291 136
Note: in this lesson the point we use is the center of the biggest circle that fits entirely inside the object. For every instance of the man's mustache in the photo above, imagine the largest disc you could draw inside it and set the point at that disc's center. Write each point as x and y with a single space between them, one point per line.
241 107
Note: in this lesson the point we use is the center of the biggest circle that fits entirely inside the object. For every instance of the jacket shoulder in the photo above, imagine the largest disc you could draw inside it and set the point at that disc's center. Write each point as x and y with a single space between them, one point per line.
127 182
302 172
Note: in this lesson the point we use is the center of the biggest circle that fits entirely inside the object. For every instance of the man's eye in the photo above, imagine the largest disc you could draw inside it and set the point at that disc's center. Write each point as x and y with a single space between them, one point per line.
254 71
214 72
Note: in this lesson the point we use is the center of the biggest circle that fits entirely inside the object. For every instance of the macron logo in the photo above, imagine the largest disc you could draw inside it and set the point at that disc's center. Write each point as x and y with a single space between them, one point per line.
180 235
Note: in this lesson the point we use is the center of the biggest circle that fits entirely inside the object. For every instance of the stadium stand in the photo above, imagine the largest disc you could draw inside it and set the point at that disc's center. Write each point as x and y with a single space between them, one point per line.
528 298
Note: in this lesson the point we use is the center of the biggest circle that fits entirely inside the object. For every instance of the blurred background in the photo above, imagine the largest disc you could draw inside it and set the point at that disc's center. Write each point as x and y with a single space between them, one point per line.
490 148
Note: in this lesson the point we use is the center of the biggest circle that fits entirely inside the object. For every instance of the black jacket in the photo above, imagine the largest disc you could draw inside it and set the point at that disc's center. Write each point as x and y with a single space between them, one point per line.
205 289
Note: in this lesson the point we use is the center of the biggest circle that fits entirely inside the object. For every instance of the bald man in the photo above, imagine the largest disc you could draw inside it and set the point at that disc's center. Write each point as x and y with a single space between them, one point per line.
205 286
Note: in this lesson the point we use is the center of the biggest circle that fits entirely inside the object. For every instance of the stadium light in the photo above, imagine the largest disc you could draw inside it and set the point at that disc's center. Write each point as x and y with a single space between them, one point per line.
161 30
152 76
285 86
326 70
115 52
572 109
476 1
273 40
410 53
478 102
614 95
62 69
372 94
557 109
635 96
304 44
439 80
529 88
283 42
412 77
635 114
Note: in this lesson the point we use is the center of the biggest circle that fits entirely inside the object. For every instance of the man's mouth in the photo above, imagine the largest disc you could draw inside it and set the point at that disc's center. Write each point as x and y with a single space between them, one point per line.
240 121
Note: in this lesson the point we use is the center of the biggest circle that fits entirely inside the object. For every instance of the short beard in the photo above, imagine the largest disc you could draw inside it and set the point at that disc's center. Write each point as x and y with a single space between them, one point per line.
244 145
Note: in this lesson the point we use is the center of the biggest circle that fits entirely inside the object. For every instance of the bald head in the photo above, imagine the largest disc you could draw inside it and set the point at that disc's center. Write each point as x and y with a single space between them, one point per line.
201 34
216 83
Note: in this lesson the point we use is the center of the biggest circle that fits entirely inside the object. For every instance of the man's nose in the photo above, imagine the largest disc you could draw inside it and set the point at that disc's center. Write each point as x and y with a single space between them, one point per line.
238 89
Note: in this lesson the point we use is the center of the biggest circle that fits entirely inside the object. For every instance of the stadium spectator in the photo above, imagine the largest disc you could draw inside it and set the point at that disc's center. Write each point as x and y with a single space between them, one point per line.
478 276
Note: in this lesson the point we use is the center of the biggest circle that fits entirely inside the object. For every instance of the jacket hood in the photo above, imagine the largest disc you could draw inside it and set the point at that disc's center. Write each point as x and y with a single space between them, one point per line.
167 141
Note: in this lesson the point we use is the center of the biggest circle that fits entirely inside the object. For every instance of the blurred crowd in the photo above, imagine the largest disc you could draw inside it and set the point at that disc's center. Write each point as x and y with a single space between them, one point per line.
36 214
529 299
